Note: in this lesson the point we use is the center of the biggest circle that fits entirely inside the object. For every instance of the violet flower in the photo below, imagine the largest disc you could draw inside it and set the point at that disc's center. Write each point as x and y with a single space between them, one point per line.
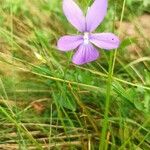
86 25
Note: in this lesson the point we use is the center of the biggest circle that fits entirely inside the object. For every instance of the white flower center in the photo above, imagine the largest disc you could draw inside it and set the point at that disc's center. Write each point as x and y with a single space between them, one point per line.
86 38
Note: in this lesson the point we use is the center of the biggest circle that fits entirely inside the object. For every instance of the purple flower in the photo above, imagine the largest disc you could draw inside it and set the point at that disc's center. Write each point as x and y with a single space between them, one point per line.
86 25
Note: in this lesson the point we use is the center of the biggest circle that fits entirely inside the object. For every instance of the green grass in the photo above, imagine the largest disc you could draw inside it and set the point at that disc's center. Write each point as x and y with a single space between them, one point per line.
46 102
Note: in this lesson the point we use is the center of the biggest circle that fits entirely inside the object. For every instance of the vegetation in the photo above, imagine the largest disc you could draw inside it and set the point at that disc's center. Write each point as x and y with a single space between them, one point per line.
46 102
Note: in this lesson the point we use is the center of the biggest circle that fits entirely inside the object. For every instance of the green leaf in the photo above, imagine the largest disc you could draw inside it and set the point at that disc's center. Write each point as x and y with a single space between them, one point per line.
126 94
66 100
143 101
126 42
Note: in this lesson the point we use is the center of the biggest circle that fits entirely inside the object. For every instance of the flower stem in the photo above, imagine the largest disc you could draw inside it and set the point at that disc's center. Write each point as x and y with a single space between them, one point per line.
108 93
112 60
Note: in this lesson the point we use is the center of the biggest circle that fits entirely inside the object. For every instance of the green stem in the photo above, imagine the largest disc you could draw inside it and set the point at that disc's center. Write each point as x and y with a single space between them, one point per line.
108 94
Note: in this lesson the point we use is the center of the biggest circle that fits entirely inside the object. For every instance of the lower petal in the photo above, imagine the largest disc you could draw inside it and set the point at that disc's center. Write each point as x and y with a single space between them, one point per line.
67 43
85 54
105 40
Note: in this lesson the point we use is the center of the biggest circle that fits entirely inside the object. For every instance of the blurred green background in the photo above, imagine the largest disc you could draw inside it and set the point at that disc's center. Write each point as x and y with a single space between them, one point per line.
46 102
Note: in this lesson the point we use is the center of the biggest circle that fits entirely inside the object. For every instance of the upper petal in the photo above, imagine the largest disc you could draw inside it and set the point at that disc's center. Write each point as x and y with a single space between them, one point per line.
67 42
96 14
85 54
105 40
74 14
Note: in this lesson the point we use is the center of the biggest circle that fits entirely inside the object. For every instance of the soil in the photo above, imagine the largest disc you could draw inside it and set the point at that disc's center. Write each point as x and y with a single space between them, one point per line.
139 29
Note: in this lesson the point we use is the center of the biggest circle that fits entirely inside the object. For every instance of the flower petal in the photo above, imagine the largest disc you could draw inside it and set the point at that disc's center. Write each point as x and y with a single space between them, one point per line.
85 54
74 14
96 14
67 43
105 40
